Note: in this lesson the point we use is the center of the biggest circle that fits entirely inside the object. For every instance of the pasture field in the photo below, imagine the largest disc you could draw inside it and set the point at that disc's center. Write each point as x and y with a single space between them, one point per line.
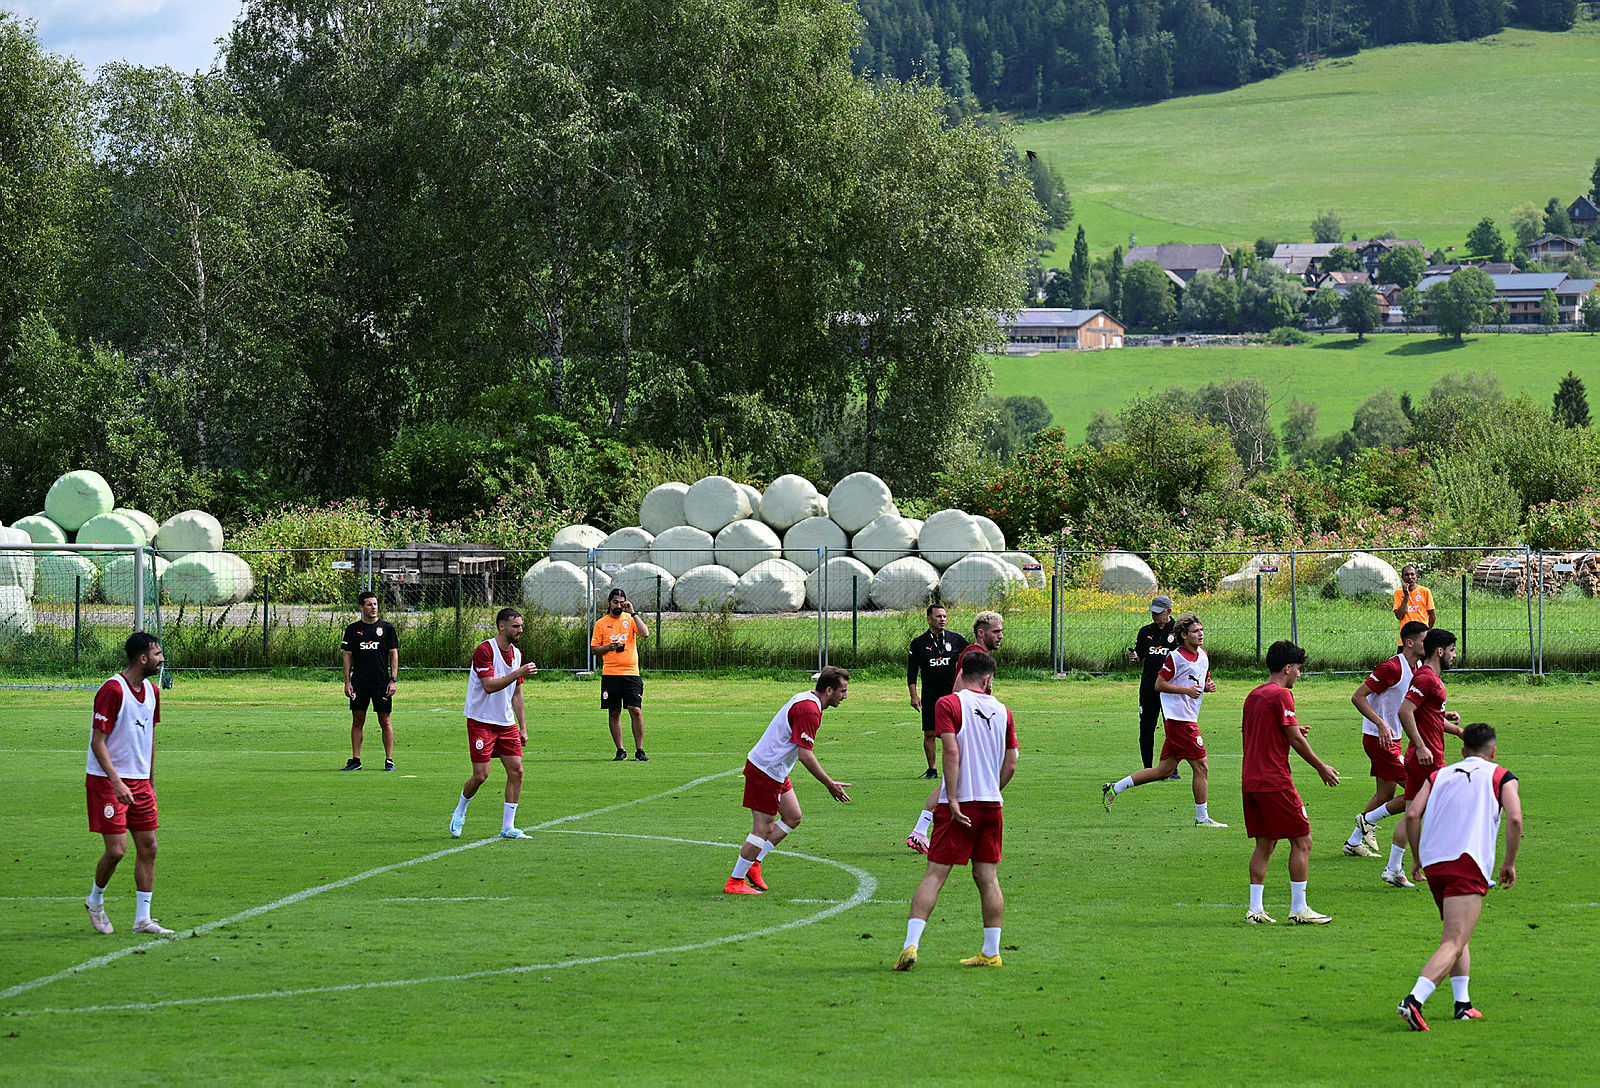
332 932
1334 372
1417 139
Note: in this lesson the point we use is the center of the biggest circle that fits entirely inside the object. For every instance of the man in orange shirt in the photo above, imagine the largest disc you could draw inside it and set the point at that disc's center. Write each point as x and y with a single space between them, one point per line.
1413 602
616 642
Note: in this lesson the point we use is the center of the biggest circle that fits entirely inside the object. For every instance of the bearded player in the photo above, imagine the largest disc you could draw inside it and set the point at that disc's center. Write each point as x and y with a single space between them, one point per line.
1378 700
988 631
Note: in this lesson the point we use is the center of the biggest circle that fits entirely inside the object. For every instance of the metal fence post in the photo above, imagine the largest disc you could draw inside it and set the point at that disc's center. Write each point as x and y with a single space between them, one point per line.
138 588
1539 660
1258 617
1527 560
77 618
655 651
266 615
822 613
1055 647
1463 639
855 613
458 602
1294 613
588 593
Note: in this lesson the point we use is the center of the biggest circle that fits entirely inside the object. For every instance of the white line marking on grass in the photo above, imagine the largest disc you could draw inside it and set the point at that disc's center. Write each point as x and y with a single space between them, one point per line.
902 902
290 900
866 884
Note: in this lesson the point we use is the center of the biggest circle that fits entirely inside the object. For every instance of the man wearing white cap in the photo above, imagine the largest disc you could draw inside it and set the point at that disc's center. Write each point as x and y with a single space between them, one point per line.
1151 646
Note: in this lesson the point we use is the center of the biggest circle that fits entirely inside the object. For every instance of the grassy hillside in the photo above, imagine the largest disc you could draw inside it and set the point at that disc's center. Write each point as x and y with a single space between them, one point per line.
1420 139
1334 372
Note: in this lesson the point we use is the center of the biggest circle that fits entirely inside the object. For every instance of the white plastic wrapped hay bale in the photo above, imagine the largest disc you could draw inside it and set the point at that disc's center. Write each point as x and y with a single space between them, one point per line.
683 548
572 544
16 568
208 578
648 586
1124 572
64 576
904 584
858 500
626 546
804 538
149 524
110 529
705 589
190 531
848 584
996 538
950 534
884 540
789 500
562 588
76 497
662 508
773 585
745 543
981 579
715 502
117 579
1032 570
1364 573
752 493
41 530
16 614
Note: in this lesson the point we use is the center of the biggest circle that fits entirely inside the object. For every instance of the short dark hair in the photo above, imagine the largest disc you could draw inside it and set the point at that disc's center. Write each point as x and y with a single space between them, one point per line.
831 677
1282 654
363 595
977 665
139 644
1411 629
1437 639
505 614
615 593
931 606
1477 736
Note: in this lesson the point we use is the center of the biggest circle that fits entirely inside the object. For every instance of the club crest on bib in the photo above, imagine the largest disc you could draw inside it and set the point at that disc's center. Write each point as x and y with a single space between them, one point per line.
111 810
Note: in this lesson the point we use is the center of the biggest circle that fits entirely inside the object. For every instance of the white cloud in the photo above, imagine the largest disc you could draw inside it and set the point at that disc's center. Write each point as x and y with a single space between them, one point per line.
180 34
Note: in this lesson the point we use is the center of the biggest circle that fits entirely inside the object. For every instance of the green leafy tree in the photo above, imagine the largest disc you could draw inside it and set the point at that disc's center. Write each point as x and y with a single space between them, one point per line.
1451 401
1484 240
1501 313
1527 222
1340 259
1460 302
1079 277
1412 307
1147 295
1591 311
1265 247
1571 408
1594 180
1326 227
1270 297
1298 432
1324 306
1114 281
1380 422
1049 190
1402 265
1358 310
1549 309
1556 220
1242 408
1210 304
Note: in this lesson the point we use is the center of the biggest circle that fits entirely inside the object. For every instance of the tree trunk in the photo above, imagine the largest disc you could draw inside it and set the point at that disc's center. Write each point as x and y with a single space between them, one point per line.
619 401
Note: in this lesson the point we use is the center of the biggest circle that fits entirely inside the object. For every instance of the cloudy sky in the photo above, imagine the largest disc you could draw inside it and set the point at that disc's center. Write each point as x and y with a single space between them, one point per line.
181 34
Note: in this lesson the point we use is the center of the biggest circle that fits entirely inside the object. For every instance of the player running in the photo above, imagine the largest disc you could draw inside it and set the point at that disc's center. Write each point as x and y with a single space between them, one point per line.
371 671
1378 699
1272 806
988 631
1183 681
119 780
979 741
495 724
769 795
1426 721
1454 819
933 654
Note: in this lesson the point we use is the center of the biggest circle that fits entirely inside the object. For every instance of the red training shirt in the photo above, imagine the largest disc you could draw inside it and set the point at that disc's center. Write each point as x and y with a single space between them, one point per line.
1267 711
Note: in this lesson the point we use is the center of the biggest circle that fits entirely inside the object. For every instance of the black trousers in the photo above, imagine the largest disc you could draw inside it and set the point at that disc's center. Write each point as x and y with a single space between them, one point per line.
1149 717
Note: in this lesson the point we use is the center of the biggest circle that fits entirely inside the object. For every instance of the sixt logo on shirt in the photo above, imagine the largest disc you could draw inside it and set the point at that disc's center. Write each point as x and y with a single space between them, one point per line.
370 645
938 662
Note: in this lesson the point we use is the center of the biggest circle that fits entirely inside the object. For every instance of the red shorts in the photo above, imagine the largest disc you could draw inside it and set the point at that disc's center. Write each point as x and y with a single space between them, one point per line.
1459 877
952 844
485 741
108 816
761 791
1183 741
1385 759
1275 814
1417 777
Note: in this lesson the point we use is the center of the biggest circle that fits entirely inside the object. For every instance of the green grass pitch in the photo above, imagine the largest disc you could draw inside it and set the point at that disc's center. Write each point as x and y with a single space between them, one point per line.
602 950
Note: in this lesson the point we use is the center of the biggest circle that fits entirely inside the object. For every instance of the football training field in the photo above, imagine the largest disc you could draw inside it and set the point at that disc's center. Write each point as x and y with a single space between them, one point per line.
330 930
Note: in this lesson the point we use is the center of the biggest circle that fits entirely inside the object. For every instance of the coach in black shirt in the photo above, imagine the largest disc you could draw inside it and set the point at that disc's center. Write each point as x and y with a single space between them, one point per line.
933 654
371 670
1155 640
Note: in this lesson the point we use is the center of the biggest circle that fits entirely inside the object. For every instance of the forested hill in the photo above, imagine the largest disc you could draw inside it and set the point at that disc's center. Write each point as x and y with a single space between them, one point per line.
1052 55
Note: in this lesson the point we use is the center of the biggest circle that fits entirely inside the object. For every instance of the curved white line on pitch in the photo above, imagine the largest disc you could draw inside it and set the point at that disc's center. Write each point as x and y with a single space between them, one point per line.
866 884
290 900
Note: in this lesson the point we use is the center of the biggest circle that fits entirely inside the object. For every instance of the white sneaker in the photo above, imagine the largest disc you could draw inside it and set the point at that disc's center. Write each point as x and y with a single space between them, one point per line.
97 917
1309 917
1359 850
1396 878
514 833
152 927
1208 822
1259 917
458 820
918 841
1369 836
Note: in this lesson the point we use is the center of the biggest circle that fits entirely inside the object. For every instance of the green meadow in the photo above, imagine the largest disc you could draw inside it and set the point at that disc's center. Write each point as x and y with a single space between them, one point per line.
1422 140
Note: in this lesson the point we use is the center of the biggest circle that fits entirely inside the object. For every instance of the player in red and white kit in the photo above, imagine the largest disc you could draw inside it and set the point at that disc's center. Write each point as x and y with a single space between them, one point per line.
1182 682
496 727
1425 721
978 738
1272 806
790 737
119 780
1454 819
1378 699
988 631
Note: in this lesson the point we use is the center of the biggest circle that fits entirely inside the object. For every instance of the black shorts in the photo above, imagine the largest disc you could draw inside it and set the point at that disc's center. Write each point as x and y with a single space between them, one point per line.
927 715
373 695
617 692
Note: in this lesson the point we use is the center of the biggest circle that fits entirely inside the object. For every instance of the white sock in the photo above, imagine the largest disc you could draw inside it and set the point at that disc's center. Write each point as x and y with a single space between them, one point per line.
97 895
141 910
1297 896
1379 814
509 820
461 805
1200 814
741 867
1422 990
1257 895
1355 838
924 822
914 929
1458 986
1397 858
1125 783
991 940
763 850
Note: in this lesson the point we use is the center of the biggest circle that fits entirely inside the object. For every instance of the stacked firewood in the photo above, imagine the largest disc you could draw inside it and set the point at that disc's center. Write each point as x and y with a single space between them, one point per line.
1545 574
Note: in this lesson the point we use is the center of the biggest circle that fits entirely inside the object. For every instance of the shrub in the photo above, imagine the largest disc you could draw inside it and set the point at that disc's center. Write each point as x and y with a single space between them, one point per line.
1571 524
1288 336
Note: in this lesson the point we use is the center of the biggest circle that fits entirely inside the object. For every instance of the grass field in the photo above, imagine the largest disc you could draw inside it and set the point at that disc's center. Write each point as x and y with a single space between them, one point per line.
1420 139
1335 372
333 932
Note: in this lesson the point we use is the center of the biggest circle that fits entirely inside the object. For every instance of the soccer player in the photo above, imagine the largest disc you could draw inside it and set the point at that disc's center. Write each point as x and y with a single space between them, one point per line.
979 741
371 671
1183 681
1426 721
988 631
1151 646
933 654
1378 699
496 727
616 639
1454 819
1272 806
1413 603
768 793
120 780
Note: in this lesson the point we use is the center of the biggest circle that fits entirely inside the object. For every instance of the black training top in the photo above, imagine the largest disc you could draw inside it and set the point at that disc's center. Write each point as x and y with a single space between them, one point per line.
935 658
1153 644
368 645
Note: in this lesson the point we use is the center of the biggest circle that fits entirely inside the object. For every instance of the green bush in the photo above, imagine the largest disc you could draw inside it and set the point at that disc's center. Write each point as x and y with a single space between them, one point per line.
1573 524
1288 336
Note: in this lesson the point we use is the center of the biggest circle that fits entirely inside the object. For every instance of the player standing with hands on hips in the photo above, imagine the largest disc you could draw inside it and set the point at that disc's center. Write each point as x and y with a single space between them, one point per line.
496 727
616 639
371 671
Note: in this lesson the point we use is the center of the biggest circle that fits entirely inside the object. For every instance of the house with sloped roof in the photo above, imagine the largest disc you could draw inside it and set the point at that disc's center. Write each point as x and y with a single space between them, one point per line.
1373 250
1523 294
1042 328
1182 261
1554 246
1301 258
1584 213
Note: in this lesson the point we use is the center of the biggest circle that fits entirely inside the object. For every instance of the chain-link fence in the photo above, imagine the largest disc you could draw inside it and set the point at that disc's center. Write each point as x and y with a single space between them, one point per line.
65 608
